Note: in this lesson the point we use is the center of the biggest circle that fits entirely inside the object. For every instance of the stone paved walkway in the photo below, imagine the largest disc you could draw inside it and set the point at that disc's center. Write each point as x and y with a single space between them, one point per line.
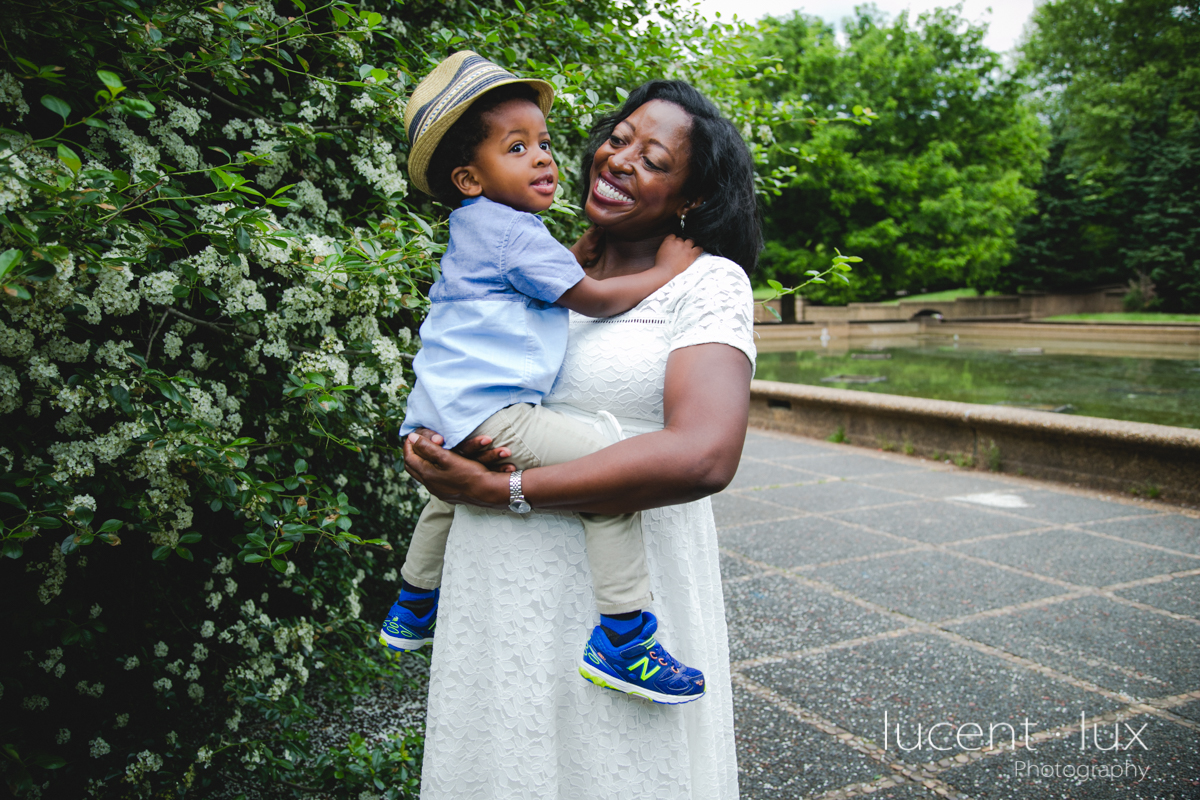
860 585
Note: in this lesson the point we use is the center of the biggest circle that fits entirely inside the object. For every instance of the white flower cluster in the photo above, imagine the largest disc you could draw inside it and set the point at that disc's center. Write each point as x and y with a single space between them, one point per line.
52 657
376 161
146 762
10 95
35 702
99 747
94 690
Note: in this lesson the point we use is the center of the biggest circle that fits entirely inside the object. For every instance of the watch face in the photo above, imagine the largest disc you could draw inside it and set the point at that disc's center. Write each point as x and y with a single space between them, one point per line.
519 506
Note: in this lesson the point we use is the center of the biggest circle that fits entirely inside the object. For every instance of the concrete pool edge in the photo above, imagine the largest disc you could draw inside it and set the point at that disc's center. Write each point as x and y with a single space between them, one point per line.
1112 455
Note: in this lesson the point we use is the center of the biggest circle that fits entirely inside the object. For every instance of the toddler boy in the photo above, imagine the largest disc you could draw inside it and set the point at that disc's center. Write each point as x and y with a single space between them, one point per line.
494 341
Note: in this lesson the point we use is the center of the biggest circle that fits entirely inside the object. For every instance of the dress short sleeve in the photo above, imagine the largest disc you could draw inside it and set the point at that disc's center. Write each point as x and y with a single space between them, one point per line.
535 263
716 305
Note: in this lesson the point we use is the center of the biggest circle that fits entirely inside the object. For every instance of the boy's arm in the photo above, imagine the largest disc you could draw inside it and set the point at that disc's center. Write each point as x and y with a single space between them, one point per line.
614 296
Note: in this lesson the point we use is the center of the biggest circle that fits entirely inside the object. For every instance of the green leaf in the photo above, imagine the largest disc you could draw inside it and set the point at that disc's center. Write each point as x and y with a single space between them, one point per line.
83 515
184 553
8 260
379 75
373 18
49 762
11 549
59 107
111 80
300 466
13 500
69 545
68 157
279 565
160 553
110 525
139 108
189 538
340 18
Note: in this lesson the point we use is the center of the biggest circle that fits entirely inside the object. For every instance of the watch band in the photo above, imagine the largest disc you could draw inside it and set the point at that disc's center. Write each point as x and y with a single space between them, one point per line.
516 496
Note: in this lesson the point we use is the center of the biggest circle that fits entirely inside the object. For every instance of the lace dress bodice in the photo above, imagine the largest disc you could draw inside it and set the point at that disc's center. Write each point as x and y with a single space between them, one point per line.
509 715
619 364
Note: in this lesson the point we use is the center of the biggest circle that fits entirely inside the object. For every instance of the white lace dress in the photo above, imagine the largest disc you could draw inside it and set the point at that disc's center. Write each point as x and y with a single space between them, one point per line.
509 715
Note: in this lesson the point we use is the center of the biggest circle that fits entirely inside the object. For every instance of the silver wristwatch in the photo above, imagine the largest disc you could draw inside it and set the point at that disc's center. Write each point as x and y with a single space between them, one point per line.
516 497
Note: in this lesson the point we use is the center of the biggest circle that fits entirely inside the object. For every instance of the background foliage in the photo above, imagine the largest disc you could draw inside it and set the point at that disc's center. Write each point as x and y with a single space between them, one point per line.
1119 83
930 194
1069 165
212 271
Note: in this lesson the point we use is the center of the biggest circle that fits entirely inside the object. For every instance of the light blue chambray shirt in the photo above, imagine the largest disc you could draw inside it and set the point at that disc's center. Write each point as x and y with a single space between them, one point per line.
493 336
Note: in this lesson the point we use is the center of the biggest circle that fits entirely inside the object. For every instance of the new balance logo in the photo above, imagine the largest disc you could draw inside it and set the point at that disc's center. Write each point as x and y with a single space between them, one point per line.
643 663
590 655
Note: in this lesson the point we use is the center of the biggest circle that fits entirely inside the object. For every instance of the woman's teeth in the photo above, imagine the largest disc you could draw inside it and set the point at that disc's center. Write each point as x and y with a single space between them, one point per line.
606 190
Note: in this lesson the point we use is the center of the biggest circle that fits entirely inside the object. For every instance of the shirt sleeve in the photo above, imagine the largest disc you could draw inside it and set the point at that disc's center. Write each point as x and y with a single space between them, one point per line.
717 307
535 264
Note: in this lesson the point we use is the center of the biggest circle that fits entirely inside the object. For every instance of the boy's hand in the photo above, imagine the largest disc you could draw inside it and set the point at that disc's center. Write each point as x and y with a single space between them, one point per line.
677 254
587 249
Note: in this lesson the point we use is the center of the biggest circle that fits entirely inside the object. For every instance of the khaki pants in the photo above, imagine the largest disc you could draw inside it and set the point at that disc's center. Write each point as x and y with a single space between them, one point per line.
537 437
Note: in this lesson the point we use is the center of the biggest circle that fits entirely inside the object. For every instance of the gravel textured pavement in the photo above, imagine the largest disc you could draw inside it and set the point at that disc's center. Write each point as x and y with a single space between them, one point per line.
902 628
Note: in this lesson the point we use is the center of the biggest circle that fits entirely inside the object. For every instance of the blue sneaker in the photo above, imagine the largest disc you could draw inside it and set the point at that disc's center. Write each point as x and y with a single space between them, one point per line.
404 630
642 667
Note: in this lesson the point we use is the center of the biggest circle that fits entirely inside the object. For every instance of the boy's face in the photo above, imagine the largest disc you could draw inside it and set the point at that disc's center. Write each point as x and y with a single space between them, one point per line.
513 166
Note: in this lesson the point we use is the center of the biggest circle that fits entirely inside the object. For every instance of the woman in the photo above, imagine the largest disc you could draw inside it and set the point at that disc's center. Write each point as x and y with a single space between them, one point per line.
509 715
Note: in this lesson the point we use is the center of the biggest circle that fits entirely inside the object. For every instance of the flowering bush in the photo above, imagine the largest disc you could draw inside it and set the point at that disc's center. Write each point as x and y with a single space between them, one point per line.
211 271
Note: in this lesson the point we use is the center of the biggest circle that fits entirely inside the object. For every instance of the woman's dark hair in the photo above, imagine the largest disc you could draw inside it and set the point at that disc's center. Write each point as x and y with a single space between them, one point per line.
720 169
459 144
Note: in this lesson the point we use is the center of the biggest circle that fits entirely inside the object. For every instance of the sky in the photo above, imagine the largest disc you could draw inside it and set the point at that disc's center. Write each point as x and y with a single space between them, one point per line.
1006 18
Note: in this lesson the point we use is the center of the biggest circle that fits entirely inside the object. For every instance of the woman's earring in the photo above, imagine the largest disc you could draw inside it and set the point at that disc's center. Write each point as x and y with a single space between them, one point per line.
682 218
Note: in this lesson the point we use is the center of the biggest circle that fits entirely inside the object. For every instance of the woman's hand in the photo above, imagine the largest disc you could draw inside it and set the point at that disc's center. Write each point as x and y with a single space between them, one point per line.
588 248
477 449
451 477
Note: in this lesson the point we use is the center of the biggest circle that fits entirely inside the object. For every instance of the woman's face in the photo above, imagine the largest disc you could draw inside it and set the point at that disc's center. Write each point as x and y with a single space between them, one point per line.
637 176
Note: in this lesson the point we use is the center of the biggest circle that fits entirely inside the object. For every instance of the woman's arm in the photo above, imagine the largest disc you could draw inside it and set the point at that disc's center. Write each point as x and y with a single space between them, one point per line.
706 399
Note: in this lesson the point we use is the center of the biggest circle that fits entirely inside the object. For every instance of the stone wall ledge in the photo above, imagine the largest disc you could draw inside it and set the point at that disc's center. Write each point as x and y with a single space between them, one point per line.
1112 455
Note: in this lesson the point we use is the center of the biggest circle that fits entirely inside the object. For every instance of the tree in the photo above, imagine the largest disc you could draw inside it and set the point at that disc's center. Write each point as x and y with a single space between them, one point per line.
1120 84
930 193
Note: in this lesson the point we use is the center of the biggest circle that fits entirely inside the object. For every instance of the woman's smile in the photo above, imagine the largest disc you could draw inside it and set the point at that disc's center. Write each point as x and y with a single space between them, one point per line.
606 193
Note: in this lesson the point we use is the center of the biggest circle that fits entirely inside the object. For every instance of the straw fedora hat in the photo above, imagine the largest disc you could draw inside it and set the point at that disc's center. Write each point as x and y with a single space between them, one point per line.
442 97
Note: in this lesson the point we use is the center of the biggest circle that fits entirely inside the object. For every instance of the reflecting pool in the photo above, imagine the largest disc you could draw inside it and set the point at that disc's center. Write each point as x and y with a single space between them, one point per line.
1160 390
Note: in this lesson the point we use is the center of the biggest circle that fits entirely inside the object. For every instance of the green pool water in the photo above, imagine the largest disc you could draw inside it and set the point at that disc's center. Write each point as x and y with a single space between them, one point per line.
1163 391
